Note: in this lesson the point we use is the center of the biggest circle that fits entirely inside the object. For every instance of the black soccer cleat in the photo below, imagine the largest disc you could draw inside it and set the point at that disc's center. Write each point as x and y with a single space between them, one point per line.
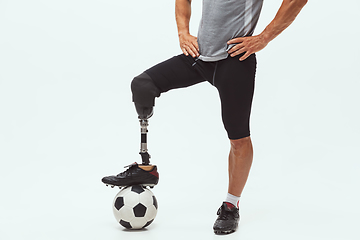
134 175
228 219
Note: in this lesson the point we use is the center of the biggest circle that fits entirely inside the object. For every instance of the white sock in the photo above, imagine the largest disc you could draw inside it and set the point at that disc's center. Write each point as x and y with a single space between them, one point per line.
234 200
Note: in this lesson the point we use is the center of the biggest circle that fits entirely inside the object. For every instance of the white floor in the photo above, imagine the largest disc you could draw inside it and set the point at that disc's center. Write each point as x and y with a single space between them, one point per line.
57 195
66 120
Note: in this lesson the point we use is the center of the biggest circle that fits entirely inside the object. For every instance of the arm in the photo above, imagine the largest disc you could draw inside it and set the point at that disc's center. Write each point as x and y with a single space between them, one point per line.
287 13
188 43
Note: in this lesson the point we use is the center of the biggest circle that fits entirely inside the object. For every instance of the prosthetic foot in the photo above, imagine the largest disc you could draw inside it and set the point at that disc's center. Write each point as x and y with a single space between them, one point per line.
134 175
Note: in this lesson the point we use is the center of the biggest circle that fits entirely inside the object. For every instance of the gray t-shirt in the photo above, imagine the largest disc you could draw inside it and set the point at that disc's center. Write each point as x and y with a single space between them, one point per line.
223 20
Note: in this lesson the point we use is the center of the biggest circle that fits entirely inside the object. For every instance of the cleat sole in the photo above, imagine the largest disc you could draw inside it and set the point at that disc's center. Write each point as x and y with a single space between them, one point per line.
223 232
151 185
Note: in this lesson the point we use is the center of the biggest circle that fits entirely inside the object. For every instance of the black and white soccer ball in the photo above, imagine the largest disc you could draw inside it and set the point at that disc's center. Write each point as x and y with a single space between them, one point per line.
135 207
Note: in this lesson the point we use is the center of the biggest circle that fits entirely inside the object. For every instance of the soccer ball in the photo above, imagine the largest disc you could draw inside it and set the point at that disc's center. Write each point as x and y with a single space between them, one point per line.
135 207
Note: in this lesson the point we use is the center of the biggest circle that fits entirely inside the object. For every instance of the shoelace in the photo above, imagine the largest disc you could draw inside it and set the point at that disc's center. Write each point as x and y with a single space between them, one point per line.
129 170
224 215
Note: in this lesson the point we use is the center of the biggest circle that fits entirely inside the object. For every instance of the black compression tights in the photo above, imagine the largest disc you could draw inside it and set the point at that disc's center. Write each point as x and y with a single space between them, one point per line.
234 80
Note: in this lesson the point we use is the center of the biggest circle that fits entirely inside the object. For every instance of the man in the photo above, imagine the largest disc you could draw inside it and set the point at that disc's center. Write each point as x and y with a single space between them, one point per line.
223 54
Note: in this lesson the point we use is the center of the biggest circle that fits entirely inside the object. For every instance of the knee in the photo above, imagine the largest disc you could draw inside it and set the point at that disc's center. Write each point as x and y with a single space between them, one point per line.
138 84
144 90
238 144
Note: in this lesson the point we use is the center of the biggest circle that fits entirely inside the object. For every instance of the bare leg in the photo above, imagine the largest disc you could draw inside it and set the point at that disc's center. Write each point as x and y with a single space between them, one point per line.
240 160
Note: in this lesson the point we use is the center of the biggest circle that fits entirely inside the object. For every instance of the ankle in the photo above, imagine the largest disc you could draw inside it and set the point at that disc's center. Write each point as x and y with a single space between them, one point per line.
234 200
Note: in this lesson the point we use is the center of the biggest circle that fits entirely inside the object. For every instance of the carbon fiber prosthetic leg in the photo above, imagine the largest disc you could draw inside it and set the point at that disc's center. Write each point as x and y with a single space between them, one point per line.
144 92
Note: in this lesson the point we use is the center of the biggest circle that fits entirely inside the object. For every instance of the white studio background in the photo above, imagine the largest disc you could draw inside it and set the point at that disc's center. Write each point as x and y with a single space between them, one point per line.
66 120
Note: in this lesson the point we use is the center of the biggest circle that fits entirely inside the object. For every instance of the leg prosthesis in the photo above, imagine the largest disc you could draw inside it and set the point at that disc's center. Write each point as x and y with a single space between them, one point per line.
144 92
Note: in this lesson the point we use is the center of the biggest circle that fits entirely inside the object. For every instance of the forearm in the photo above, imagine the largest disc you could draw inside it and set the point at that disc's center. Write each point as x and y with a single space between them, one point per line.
287 13
182 15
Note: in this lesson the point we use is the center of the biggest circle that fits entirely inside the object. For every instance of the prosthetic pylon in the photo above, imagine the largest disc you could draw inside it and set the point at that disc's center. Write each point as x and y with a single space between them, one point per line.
145 156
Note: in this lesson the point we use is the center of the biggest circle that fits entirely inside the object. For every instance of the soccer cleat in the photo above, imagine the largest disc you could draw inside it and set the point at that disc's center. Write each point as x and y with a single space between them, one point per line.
228 219
134 175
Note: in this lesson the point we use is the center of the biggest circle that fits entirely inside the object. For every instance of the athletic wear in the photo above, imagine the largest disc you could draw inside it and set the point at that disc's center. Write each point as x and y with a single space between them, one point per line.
223 20
234 200
234 80
228 219
144 91
134 176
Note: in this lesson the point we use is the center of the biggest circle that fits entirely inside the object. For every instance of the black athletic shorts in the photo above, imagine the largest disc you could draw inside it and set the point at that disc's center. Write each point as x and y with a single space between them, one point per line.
233 78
